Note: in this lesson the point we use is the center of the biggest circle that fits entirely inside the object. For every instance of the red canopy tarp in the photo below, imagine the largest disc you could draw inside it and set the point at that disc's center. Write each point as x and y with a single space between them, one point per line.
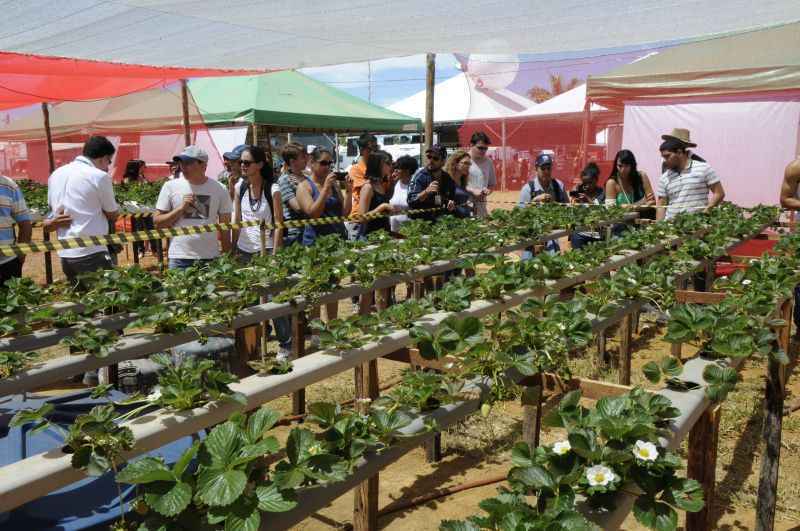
28 79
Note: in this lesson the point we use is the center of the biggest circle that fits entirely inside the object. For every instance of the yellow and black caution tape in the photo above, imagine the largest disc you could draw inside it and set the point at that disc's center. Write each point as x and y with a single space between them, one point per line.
154 234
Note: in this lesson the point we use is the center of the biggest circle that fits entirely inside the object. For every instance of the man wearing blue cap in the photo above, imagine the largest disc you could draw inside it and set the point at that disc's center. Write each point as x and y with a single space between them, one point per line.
233 169
543 189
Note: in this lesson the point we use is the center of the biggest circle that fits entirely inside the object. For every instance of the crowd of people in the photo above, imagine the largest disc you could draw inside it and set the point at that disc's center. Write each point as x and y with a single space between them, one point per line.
82 202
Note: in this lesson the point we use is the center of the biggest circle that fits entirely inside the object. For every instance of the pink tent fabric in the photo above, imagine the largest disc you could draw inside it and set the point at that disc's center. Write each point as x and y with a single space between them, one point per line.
748 143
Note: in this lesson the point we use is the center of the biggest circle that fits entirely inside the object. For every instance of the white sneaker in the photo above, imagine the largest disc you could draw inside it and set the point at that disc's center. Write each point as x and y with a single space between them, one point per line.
283 354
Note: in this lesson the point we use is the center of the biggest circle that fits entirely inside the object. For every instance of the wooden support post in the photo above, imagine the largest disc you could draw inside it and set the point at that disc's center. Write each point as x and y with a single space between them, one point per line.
702 464
625 336
531 414
600 359
187 131
365 503
48 256
298 351
430 83
365 507
770 459
710 274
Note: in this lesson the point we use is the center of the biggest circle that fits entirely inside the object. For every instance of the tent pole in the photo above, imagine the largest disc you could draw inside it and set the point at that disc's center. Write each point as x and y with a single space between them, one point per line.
430 79
587 118
187 132
503 158
269 146
48 258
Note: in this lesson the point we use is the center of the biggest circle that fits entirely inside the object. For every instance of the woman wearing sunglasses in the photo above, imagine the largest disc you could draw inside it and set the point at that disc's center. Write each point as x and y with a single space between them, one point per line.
321 197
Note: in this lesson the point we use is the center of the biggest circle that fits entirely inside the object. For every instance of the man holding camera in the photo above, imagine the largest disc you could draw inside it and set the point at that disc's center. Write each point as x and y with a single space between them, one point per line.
587 193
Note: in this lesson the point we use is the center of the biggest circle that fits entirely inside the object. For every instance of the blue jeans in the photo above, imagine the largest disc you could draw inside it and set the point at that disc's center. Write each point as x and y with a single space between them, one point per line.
283 325
551 247
184 263
579 240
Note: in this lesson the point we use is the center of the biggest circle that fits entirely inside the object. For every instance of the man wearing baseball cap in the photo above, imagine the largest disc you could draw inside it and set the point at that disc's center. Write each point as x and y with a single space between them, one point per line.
686 182
543 189
432 187
193 199
232 174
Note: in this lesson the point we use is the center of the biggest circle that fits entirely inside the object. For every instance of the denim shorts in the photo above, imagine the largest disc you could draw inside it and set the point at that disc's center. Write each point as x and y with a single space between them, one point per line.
185 263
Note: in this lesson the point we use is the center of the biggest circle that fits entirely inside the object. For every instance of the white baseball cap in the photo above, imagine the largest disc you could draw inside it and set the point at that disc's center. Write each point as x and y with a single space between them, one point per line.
191 153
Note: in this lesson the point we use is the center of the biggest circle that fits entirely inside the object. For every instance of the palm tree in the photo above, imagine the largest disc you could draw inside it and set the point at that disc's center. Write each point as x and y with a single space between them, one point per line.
557 86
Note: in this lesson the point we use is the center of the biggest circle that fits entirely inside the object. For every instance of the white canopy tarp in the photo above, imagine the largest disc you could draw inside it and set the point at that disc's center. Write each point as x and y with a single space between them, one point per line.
457 99
235 34
569 102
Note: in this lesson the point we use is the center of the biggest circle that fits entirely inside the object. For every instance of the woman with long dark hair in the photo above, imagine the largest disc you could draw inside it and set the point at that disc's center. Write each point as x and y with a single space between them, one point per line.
133 171
321 197
627 185
254 202
258 199
375 194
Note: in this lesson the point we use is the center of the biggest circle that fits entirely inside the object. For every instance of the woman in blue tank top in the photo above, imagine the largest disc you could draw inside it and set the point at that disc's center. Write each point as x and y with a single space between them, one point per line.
321 197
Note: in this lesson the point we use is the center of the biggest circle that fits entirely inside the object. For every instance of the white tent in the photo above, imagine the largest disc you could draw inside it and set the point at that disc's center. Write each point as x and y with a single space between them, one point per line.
457 99
569 102
268 34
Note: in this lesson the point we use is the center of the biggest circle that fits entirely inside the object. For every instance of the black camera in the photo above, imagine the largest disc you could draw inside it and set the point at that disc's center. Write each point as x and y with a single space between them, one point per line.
579 190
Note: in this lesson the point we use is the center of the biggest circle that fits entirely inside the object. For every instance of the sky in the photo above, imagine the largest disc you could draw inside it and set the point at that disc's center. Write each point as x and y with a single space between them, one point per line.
398 78
392 79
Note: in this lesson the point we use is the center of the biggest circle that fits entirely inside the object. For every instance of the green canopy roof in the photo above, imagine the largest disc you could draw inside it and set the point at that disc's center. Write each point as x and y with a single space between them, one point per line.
289 100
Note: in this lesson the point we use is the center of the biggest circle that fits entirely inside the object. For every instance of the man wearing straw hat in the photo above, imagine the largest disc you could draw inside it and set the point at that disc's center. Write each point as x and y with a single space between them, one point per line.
686 181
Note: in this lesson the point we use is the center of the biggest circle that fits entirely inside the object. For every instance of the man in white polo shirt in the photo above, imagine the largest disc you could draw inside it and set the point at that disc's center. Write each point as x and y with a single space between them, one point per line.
81 199
686 181
193 199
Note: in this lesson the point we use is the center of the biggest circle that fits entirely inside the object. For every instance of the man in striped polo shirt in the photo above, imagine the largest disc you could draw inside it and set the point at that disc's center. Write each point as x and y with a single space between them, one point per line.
12 210
686 181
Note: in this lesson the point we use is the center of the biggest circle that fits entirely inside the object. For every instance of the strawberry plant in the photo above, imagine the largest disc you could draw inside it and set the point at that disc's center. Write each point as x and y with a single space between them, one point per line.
14 362
91 340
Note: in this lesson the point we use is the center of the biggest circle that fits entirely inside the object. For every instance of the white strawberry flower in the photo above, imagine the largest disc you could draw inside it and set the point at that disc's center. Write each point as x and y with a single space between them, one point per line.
645 451
561 447
600 476
746 282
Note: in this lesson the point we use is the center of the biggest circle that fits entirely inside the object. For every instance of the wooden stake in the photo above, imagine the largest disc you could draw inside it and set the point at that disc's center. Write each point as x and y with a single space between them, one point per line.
625 336
531 415
771 434
298 351
702 464
48 256
187 131
430 81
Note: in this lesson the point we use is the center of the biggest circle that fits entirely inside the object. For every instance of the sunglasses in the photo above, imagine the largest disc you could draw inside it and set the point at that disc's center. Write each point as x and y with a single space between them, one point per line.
482 148
325 162
434 158
246 163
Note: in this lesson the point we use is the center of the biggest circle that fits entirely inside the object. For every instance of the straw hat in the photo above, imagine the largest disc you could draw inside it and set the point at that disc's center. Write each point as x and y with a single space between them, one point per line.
681 135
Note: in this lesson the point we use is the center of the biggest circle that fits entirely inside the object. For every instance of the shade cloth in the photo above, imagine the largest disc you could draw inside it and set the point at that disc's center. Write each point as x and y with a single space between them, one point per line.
28 79
765 61
268 34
